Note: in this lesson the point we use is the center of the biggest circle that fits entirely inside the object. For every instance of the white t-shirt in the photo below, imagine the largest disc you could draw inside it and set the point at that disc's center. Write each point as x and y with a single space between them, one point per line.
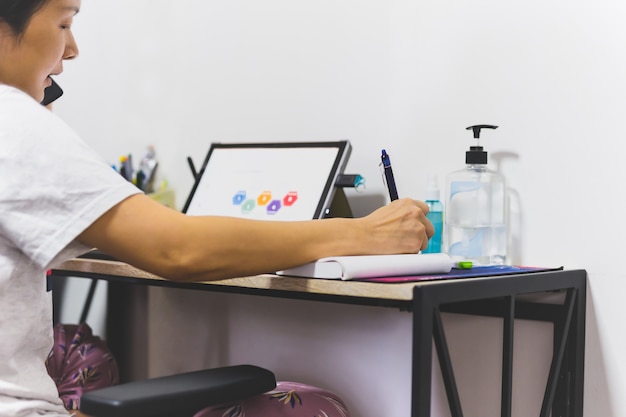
52 187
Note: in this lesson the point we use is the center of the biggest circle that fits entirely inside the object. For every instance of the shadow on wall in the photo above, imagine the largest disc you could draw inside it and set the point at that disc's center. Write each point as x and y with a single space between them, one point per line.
364 204
516 227
515 218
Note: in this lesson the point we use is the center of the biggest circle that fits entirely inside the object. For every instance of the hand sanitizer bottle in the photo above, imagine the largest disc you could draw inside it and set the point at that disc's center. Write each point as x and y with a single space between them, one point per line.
476 210
435 215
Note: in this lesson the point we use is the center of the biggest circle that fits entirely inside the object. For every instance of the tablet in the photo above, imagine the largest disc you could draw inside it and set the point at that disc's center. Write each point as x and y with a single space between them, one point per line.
268 181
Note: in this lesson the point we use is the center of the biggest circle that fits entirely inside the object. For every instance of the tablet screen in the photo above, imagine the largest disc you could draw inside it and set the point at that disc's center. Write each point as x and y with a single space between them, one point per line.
268 181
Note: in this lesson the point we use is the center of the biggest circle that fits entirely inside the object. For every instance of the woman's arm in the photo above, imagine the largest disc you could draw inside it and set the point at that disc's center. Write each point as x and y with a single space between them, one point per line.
200 248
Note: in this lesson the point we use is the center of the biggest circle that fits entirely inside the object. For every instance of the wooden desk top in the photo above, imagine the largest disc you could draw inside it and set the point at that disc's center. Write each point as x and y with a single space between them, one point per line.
348 292
103 269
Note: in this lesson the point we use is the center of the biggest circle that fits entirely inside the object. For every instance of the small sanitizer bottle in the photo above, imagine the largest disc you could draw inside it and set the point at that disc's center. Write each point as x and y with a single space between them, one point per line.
435 215
476 210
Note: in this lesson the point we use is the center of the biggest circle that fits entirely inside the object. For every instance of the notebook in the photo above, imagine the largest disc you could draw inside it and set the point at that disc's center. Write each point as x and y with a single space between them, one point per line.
268 181
373 266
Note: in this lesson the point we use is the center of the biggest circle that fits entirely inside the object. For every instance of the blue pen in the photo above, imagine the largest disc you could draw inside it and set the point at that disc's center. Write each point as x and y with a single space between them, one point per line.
391 182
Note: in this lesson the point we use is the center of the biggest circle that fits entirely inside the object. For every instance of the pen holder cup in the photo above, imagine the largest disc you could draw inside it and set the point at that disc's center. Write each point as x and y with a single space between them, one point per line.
165 196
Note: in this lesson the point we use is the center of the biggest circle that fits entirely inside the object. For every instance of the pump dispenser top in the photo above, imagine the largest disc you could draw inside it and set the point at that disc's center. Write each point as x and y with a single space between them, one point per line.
476 155
475 225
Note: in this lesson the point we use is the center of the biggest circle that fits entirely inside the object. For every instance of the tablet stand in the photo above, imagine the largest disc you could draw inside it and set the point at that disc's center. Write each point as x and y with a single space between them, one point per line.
339 206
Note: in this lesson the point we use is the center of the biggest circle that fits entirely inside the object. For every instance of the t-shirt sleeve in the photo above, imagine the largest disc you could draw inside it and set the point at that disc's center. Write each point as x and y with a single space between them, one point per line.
53 185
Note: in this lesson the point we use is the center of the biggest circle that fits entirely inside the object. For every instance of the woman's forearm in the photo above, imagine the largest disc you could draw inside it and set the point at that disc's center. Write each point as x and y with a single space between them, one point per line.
191 248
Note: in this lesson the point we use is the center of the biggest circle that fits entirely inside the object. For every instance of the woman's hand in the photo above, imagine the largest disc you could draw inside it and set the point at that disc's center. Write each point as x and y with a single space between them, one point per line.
399 227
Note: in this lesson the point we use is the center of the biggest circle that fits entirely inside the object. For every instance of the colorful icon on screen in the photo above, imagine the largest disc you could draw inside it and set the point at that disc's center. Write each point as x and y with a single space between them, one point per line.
290 198
273 207
248 206
239 198
264 198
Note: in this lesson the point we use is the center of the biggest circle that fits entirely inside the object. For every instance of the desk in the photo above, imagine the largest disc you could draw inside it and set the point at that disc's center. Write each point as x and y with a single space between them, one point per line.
508 297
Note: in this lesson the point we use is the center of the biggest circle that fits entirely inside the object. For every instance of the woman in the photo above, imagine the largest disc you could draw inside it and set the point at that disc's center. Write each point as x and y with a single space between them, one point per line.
59 199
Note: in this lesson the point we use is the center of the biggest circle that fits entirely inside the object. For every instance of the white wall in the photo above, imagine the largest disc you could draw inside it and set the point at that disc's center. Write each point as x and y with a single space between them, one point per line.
405 75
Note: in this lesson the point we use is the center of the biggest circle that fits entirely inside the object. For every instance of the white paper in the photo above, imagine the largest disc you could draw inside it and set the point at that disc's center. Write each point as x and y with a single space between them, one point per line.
373 266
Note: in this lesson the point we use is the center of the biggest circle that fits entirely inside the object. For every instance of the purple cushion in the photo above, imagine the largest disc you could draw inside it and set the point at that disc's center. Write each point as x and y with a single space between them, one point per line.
79 362
289 399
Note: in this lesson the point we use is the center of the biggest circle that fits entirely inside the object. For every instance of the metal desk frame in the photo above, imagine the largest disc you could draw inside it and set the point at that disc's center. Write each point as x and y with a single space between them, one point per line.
495 296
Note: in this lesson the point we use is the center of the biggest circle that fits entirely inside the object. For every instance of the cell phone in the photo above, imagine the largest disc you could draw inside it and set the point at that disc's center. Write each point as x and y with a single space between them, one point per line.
51 93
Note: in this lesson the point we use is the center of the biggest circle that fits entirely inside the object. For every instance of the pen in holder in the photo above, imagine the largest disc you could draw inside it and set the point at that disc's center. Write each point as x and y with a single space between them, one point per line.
144 177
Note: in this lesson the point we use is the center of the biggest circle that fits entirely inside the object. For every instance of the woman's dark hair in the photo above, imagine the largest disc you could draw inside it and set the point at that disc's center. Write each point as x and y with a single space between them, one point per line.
17 13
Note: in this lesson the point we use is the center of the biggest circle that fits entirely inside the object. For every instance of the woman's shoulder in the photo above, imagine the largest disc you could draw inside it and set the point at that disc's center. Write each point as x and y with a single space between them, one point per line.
18 110
8 92
18 102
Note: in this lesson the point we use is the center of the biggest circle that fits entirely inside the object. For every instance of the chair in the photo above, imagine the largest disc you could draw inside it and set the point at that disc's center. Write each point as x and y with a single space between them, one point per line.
178 395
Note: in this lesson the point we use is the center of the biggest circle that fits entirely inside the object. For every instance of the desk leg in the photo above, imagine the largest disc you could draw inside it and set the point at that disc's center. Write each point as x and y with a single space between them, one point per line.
559 353
576 352
423 309
127 331
571 389
446 365
507 357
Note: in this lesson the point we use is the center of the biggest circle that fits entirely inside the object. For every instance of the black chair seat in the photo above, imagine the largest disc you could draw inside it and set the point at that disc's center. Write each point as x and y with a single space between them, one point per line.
178 395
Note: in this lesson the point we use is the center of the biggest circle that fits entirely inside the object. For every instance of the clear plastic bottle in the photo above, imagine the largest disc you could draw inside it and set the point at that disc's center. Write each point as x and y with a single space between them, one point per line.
476 210
435 215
